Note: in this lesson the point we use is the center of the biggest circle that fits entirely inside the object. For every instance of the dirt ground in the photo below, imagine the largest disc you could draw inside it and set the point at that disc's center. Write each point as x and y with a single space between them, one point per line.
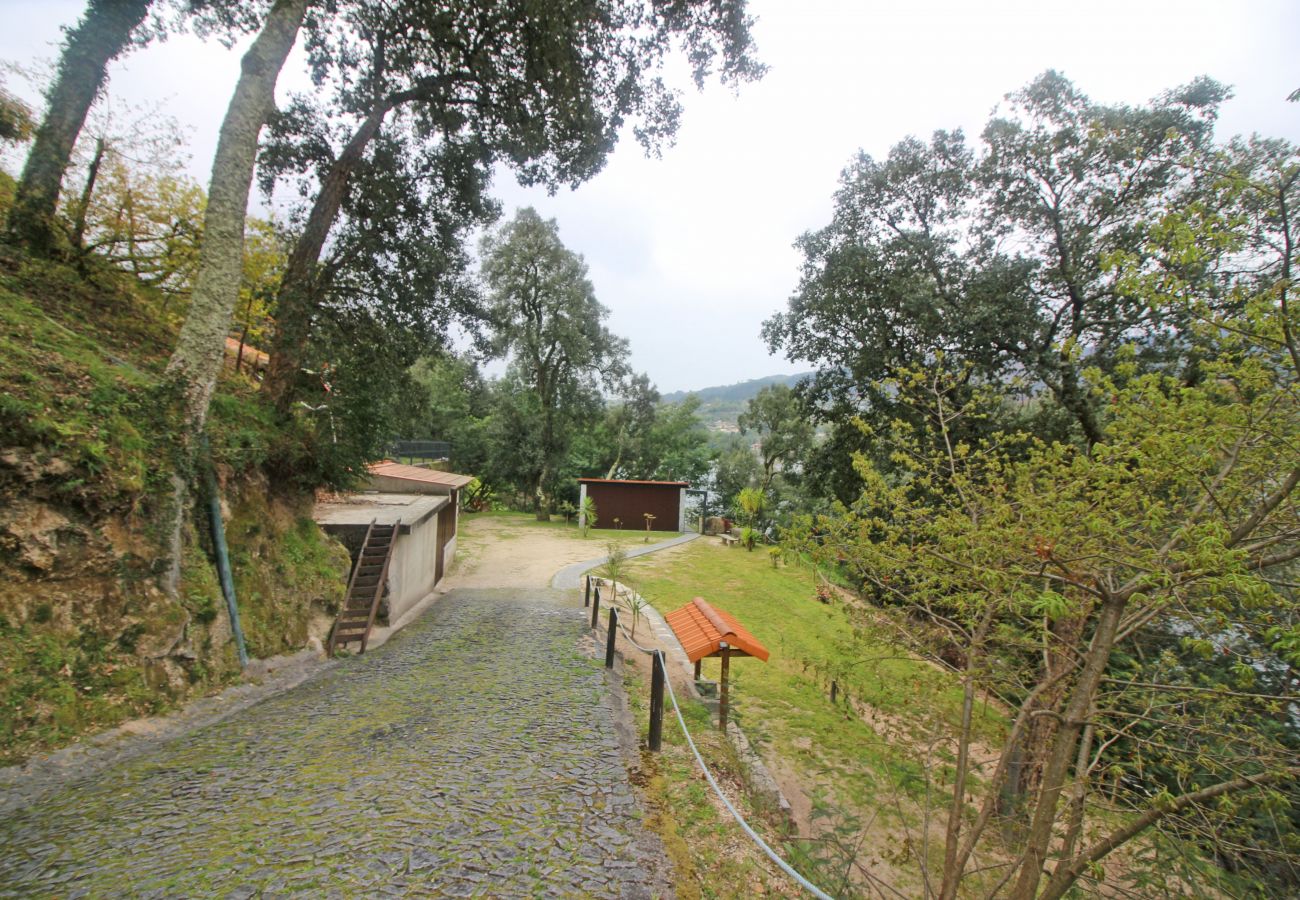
498 553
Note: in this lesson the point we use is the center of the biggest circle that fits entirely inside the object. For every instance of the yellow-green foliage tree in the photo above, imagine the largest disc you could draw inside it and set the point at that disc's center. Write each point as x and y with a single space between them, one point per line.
1131 603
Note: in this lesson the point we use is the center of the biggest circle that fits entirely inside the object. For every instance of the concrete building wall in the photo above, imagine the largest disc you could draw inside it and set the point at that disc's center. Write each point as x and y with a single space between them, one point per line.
411 571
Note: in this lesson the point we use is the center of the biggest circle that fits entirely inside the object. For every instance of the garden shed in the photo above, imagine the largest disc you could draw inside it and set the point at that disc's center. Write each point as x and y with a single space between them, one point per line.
630 501
423 547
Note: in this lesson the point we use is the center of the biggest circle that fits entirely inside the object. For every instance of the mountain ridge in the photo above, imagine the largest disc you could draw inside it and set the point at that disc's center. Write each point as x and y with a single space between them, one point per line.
721 404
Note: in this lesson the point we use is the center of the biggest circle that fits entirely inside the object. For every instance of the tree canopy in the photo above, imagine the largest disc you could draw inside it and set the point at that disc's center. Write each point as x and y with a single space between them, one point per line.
544 317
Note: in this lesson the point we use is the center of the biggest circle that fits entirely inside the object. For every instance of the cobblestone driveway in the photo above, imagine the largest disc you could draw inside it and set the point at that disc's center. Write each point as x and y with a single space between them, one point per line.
475 754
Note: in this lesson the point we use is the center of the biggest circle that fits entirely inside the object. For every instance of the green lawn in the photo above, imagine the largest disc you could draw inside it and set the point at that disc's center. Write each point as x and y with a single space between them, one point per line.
863 760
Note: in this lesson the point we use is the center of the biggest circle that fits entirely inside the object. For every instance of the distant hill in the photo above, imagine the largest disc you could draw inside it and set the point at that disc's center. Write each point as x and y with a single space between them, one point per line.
720 405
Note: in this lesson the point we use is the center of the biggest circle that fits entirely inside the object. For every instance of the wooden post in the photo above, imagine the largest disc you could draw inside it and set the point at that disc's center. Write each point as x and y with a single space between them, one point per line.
723 693
697 670
586 594
609 641
595 609
835 689
657 676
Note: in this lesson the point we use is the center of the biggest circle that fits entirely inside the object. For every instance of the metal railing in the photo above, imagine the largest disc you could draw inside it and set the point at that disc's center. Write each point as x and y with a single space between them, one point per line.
658 682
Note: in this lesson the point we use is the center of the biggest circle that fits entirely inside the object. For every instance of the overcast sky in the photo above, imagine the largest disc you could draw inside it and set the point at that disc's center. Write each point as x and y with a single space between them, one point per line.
692 251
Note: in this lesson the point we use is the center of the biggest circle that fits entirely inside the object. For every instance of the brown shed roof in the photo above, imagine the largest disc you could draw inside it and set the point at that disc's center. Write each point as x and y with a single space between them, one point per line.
630 481
390 469
702 629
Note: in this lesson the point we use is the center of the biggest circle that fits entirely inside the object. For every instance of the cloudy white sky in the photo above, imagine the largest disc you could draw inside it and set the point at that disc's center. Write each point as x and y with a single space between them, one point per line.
691 252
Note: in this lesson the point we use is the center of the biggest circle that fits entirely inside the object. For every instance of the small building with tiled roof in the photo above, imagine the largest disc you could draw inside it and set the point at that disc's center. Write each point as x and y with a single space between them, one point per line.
387 475
630 501
704 630
424 505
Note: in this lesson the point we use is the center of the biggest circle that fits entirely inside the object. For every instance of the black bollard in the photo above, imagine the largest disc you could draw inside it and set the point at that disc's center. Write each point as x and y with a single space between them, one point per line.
609 641
657 676
595 609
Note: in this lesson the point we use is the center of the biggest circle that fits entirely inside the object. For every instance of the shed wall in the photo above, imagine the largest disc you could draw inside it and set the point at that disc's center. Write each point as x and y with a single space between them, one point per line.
630 503
411 573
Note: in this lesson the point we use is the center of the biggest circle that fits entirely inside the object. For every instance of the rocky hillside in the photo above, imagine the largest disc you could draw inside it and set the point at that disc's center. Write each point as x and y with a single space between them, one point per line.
90 633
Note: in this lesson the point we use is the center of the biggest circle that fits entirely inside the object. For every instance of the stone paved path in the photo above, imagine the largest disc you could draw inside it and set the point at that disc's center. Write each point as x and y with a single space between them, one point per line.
473 755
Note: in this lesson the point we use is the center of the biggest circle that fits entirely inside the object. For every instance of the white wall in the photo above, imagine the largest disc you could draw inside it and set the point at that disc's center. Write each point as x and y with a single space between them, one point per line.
411 571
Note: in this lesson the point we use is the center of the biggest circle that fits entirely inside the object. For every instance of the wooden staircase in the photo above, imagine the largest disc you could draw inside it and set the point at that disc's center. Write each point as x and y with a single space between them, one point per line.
365 587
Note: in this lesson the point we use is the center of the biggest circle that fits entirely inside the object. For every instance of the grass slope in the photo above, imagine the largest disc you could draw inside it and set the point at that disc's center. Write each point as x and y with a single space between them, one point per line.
87 637
862 759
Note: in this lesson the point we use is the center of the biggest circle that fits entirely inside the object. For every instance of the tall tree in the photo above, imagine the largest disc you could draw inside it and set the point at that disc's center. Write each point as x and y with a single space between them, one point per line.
102 35
784 432
545 90
629 424
1167 552
544 315
195 362
998 261
677 447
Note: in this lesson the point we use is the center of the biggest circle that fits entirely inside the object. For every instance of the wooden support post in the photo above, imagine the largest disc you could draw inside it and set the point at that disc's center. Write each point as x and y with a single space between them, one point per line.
723 691
586 595
697 670
609 641
595 609
657 676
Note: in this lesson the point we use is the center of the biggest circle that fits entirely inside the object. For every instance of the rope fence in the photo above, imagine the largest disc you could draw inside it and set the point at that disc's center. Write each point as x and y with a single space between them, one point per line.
659 681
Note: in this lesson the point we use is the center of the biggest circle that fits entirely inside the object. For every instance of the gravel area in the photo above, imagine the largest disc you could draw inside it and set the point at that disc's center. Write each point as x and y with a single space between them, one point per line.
475 754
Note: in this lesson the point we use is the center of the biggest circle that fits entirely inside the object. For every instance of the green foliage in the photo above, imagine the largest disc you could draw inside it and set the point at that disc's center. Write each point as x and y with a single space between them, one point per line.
16 120
913 263
68 396
784 430
737 469
973 532
285 569
56 684
545 316
454 405
587 515
1132 569
636 605
752 502
615 562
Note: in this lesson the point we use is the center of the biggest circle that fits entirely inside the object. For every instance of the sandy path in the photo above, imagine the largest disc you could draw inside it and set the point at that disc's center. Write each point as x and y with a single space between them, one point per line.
497 553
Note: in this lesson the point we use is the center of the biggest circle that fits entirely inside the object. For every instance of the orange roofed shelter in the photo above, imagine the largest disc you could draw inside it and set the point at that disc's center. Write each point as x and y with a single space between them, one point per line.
704 630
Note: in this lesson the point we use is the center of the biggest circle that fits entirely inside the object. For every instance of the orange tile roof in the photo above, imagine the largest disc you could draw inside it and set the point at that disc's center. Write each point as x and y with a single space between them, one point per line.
701 629
390 469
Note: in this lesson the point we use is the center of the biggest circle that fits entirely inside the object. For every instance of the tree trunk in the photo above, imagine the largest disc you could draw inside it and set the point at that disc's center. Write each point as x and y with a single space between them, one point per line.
296 300
1063 639
540 509
99 38
196 361
1064 747
87 193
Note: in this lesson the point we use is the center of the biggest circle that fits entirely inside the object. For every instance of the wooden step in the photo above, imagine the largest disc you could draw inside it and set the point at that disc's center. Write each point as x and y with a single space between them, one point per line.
366 586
